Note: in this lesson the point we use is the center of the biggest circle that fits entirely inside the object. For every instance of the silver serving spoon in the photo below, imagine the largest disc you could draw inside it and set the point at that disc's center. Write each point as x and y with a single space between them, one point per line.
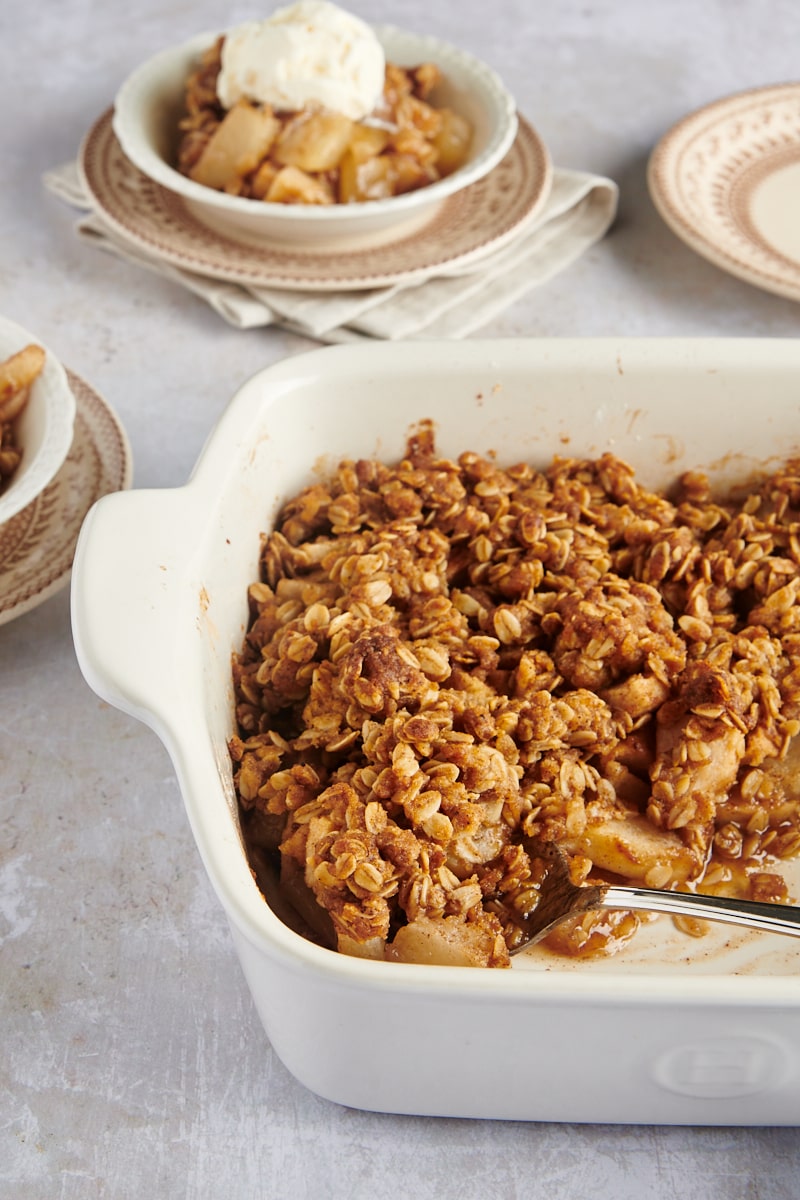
559 898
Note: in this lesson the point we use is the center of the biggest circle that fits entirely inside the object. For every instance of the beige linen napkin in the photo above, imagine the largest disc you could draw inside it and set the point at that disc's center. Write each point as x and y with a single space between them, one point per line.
451 303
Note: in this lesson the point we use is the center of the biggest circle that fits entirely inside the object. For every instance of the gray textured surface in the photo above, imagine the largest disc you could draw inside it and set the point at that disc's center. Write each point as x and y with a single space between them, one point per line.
132 1062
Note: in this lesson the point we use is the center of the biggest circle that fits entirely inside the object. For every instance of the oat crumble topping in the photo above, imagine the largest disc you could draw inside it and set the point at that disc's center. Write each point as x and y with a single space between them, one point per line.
444 655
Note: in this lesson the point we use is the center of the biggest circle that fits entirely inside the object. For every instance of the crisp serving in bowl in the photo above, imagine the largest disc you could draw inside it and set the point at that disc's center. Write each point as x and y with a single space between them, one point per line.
290 139
176 567
37 411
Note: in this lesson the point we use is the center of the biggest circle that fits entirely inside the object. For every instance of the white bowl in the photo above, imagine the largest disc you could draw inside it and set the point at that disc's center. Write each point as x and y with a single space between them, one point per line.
44 428
670 1030
149 103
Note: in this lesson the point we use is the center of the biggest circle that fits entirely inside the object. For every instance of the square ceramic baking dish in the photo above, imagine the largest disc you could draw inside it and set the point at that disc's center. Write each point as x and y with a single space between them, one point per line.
671 1030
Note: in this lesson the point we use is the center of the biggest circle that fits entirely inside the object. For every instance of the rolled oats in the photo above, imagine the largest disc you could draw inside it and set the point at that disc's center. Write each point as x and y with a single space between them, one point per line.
444 655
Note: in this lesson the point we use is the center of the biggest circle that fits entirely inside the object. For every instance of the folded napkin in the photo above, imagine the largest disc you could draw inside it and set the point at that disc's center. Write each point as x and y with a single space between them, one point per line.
450 303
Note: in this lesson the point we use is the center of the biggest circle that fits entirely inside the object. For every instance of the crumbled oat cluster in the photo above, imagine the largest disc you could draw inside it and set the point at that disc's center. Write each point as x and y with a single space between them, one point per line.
445 655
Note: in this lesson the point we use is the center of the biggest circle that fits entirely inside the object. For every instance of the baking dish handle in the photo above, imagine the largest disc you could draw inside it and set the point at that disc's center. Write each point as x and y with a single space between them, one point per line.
132 552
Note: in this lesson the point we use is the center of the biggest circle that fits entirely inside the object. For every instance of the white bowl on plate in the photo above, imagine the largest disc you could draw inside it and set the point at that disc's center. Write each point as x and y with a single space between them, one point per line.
670 1030
149 103
44 427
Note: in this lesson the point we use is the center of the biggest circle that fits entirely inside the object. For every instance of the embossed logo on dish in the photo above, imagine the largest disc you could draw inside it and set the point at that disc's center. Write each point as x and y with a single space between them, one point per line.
720 1068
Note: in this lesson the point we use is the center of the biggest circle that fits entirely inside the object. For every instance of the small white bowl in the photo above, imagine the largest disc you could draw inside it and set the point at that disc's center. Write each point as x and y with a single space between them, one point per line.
149 104
44 427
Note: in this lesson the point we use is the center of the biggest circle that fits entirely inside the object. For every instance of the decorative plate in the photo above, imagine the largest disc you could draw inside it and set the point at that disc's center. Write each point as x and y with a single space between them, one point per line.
726 179
468 226
38 544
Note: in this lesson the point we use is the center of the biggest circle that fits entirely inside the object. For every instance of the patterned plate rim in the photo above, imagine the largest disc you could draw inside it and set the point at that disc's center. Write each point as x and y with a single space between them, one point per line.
48 526
197 248
664 176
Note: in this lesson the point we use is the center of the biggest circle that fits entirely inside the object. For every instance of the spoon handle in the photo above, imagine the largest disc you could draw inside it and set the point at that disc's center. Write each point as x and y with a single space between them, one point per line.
775 918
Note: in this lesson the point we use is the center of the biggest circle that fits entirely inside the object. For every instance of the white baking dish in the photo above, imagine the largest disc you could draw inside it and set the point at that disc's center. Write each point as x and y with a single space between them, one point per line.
672 1030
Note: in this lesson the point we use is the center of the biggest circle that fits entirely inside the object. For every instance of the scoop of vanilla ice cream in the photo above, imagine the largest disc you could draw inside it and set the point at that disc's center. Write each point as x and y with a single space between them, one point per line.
309 53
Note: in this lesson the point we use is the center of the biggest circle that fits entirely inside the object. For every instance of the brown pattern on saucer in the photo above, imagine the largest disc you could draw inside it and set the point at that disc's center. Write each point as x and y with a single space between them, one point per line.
468 226
705 172
38 544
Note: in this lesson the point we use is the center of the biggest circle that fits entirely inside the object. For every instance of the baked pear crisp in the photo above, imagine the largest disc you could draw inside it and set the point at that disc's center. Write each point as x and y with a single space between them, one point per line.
445 656
315 156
